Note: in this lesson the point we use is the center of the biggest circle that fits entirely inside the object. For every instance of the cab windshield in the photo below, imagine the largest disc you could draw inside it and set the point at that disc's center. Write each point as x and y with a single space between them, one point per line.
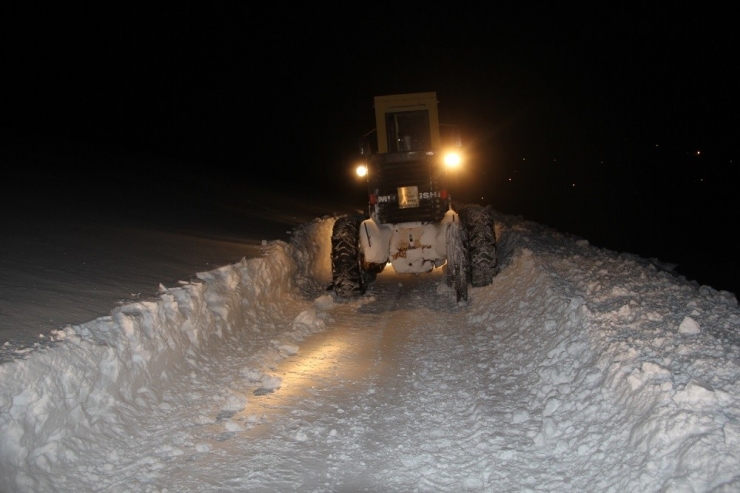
408 131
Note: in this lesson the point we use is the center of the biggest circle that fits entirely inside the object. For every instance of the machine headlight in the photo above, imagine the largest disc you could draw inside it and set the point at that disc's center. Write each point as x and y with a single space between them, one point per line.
452 160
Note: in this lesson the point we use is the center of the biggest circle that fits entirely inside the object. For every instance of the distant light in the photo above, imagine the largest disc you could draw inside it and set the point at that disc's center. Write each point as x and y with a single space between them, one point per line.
361 170
698 152
574 184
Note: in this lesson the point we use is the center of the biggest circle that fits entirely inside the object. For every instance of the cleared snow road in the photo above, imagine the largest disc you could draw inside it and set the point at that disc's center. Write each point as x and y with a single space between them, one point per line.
362 405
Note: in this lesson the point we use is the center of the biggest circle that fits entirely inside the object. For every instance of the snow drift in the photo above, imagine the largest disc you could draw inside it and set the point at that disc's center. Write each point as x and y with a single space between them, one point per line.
103 377
580 369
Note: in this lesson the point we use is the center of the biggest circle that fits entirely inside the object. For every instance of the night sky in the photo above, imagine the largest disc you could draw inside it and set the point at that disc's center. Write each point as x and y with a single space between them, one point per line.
619 125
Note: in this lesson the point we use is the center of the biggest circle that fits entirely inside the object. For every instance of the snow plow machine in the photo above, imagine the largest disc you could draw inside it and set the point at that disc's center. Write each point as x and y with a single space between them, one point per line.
412 221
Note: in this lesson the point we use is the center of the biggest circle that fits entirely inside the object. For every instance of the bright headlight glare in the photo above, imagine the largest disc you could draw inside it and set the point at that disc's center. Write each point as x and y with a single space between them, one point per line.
452 160
361 170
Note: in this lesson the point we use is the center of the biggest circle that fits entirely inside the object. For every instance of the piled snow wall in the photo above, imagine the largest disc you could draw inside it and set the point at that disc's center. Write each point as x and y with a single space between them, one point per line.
98 371
633 372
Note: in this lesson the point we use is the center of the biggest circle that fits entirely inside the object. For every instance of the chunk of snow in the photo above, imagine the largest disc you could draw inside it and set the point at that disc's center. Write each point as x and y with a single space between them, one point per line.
251 374
551 406
288 349
235 403
689 326
324 303
271 382
695 393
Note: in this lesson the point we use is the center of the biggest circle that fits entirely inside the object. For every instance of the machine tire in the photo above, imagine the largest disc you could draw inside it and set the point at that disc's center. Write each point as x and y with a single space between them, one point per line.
457 260
348 278
481 244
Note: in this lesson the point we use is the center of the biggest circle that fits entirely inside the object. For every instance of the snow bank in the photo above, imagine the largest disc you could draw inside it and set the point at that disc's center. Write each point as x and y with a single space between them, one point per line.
104 376
634 373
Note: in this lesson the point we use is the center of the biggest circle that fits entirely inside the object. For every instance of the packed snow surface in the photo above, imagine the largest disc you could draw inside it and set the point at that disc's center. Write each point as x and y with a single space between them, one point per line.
577 369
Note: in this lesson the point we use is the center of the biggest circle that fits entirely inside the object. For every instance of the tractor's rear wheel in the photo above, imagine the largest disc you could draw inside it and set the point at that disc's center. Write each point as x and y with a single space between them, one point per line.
457 260
348 278
481 244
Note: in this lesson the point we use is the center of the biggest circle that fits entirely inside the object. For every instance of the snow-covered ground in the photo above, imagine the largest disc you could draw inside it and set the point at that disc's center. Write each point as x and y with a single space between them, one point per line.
578 369
71 252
